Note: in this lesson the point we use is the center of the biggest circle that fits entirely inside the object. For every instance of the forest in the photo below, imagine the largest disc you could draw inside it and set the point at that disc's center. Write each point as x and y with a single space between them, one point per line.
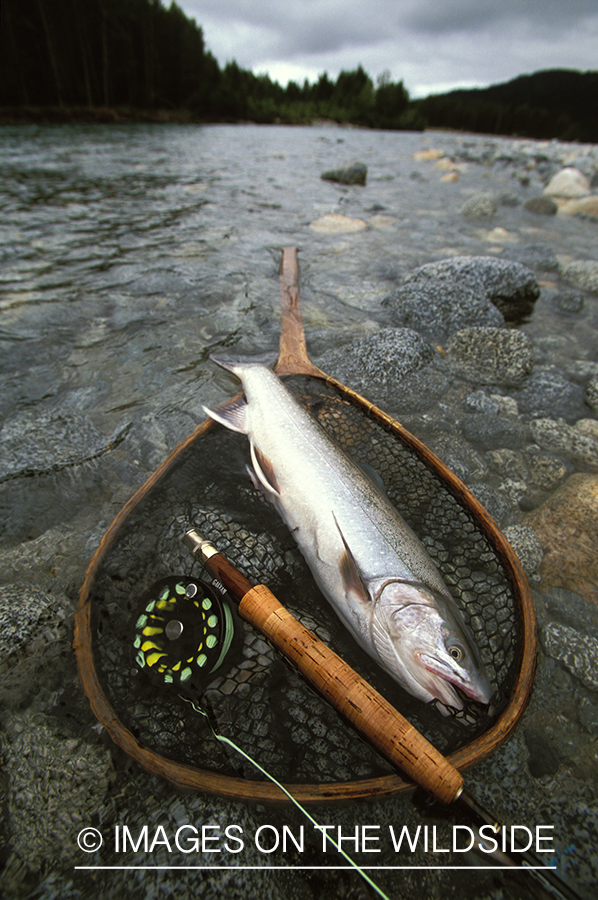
141 60
132 55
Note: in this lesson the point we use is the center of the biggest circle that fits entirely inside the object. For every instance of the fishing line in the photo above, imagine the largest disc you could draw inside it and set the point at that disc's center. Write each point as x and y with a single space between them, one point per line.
225 740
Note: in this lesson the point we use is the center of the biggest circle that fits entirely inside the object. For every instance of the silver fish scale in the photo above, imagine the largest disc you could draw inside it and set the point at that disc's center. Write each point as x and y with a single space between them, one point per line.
259 701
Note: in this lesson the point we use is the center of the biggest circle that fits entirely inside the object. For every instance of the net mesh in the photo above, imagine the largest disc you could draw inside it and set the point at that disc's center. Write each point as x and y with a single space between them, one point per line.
259 701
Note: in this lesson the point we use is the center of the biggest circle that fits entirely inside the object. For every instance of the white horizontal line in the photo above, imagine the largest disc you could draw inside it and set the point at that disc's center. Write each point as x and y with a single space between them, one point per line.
322 868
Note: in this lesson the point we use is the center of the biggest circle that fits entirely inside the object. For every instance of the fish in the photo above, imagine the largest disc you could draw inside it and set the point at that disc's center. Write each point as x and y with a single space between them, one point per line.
367 561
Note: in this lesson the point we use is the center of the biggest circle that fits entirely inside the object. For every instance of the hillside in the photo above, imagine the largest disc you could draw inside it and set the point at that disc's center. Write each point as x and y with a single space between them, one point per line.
555 103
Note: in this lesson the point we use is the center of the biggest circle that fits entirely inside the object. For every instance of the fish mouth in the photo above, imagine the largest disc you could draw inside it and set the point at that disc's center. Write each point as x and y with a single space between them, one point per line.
449 688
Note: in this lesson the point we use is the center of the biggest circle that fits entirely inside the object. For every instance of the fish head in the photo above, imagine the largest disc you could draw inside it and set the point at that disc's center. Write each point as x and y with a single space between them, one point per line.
423 642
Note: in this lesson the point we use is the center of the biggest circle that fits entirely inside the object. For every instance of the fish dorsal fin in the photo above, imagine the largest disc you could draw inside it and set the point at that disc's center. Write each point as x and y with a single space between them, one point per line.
352 579
231 414
264 471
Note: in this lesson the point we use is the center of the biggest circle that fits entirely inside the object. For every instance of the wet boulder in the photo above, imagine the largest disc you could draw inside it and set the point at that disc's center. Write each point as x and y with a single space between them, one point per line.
381 359
443 297
353 173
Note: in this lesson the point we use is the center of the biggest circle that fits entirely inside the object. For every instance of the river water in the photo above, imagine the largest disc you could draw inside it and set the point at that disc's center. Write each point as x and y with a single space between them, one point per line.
129 253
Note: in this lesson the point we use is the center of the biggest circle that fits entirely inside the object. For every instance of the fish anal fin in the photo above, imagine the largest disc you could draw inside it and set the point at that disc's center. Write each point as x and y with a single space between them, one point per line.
264 471
349 571
231 414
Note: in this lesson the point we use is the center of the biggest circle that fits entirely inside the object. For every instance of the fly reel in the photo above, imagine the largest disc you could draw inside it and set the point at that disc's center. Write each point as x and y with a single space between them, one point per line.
184 632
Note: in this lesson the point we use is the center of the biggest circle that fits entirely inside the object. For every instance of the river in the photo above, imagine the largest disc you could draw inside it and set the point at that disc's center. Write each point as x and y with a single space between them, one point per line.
128 254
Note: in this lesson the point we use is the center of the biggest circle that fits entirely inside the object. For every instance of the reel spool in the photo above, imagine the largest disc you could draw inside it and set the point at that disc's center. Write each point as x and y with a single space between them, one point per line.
184 632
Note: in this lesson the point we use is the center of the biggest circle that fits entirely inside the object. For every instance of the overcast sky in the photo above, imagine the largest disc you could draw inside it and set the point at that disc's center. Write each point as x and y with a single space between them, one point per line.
430 45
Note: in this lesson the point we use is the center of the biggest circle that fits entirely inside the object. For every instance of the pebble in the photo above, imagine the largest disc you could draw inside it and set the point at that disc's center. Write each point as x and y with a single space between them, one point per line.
591 394
334 223
548 393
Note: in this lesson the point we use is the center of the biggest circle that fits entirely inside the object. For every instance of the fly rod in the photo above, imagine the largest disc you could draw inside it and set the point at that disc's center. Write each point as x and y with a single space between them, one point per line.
361 705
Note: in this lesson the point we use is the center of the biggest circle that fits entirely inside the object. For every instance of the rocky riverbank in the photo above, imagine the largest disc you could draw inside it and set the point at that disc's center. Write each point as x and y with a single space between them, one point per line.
456 286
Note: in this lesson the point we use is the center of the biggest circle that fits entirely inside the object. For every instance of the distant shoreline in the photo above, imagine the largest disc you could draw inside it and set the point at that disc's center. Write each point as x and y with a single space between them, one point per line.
50 115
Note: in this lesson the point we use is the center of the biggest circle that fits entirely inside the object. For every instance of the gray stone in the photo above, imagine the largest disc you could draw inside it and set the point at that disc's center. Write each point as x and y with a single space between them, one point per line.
35 442
56 785
569 302
488 431
21 607
547 393
583 273
569 182
557 435
480 206
440 298
491 355
479 401
380 360
534 256
577 652
591 394
354 173
526 545
541 206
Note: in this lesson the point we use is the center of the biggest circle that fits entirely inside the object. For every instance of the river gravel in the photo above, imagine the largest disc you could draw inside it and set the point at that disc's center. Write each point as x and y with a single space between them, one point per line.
128 254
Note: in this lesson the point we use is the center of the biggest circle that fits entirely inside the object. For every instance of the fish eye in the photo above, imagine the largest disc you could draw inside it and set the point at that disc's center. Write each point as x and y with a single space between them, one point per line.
456 652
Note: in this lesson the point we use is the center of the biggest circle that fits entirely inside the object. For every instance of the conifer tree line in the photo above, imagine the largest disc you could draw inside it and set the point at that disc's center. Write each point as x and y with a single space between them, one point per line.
140 54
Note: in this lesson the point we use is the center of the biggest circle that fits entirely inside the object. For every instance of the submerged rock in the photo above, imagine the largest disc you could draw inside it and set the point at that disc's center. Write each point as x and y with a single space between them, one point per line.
592 392
541 206
337 224
526 545
567 528
491 355
56 786
583 273
547 393
34 442
354 173
480 206
574 441
577 652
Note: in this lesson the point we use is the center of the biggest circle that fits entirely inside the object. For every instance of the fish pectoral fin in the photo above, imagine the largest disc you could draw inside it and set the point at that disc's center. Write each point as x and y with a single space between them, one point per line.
264 471
355 587
230 414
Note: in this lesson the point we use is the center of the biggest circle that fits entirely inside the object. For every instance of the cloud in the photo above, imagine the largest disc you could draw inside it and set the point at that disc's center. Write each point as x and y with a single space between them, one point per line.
431 45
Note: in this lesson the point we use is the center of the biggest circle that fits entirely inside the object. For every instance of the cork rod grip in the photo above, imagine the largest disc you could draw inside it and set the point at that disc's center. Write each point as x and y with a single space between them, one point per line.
354 698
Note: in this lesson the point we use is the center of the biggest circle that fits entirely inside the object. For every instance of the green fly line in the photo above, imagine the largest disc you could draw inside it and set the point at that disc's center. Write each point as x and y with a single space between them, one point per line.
224 740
